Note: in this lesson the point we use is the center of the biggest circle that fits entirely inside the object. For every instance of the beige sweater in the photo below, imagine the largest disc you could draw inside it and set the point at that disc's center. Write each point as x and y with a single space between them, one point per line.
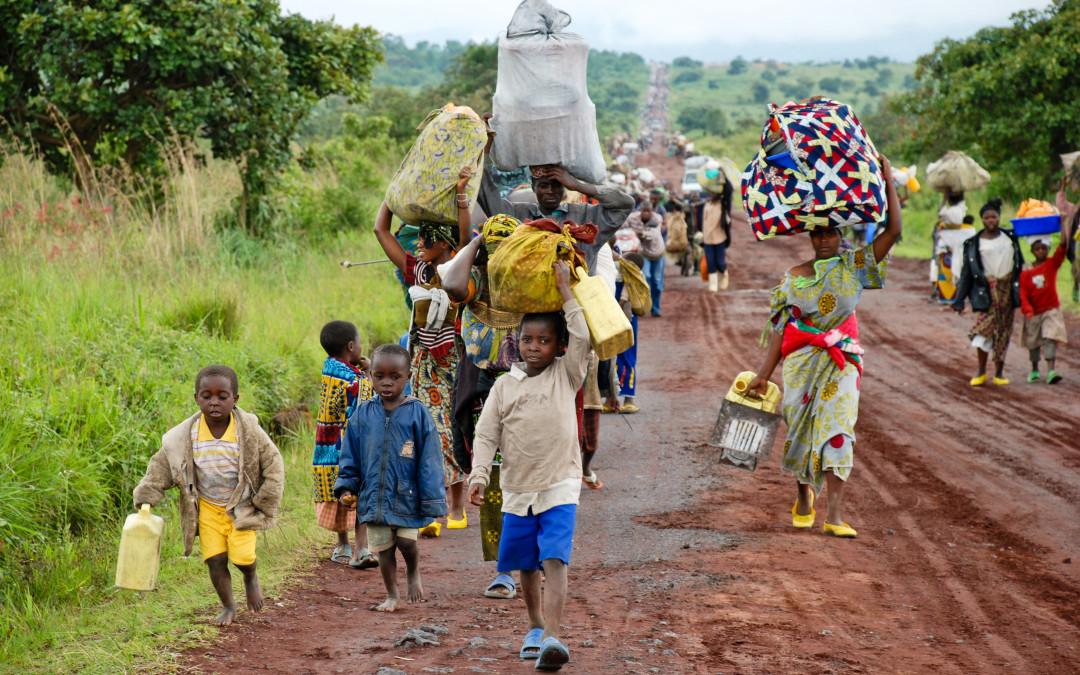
533 420
254 503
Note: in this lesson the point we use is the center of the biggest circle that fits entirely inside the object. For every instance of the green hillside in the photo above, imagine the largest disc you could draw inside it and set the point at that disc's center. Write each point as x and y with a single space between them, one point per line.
741 89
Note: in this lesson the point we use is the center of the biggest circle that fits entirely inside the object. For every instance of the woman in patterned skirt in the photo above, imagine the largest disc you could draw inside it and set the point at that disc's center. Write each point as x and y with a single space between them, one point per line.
815 332
433 338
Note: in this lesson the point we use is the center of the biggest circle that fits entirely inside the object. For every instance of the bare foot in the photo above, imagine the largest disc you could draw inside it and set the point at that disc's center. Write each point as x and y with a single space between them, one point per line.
387 605
254 593
226 617
415 590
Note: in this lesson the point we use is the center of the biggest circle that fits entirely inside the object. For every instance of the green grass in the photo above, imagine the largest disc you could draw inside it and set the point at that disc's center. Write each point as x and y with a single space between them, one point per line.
108 309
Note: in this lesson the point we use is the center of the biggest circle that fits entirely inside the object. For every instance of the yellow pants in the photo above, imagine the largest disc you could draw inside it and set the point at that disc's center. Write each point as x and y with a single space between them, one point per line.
217 534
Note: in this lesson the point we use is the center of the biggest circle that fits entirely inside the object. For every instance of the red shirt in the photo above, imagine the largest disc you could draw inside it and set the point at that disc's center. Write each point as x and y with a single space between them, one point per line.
1038 285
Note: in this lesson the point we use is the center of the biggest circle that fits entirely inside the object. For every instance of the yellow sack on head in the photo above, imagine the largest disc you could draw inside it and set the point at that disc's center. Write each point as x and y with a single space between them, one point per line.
637 288
425 185
520 272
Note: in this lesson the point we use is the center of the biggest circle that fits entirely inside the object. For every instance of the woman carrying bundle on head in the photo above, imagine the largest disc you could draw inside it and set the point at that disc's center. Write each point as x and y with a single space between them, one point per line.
990 277
815 332
433 336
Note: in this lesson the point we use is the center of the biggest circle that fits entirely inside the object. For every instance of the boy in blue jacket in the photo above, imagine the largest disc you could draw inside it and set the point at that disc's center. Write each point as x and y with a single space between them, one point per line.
391 471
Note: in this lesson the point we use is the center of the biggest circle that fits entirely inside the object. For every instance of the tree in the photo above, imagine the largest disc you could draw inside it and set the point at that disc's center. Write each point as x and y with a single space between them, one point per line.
737 66
1007 95
830 85
687 76
884 77
760 92
111 81
711 120
686 62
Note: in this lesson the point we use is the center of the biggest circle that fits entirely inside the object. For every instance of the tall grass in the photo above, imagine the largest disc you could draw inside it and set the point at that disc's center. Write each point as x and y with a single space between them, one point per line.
110 306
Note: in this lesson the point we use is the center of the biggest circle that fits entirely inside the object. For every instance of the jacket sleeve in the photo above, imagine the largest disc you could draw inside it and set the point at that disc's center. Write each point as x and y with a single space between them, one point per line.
576 360
610 211
431 481
272 470
963 288
159 478
487 438
348 477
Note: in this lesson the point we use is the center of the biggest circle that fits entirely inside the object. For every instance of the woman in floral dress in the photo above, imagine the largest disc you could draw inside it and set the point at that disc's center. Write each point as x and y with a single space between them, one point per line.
815 332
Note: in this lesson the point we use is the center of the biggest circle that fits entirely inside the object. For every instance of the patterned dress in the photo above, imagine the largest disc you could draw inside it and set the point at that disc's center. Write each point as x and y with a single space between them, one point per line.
343 386
822 377
435 363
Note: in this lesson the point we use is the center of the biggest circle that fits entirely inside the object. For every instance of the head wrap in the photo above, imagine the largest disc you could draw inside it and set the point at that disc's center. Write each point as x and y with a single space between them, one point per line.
537 171
1041 239
436 232
497 228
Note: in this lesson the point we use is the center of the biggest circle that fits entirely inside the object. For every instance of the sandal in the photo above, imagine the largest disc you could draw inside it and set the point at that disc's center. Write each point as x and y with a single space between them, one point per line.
431 530
503 581
452 524
341 555
365 560
532 642
553 654
629 409
806 521
608 409
592 481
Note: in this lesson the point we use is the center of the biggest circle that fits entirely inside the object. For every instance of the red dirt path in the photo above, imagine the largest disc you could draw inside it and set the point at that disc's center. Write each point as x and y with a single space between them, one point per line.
965 501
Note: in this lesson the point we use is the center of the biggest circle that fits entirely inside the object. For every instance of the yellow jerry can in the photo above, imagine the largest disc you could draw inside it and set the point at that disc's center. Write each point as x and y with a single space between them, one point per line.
140 551
737 393
609 328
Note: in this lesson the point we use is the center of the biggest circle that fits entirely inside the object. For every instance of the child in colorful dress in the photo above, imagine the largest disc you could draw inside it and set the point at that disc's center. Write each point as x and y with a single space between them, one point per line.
530 418
391 471
1044 324
345 383
219 503
433 338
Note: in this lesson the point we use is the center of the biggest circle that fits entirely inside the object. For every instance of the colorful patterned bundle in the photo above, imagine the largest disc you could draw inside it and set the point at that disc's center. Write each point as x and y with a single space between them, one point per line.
817 168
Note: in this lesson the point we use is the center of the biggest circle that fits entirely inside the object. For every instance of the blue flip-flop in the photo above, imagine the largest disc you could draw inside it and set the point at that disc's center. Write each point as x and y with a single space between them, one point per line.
502 581
532 641
553 654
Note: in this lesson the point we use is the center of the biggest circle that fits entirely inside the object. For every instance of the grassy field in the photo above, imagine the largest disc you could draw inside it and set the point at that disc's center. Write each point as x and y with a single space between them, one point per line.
110 306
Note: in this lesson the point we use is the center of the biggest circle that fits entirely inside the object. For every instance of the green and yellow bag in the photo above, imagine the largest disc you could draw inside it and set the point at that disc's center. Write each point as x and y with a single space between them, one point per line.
425 185
520 272
637 288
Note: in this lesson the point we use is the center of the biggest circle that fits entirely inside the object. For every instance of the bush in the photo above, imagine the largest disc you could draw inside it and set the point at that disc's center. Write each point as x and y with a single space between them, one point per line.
687 76
686 62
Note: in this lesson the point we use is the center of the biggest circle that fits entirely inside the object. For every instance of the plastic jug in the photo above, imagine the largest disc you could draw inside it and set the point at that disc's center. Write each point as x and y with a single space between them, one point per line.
609 328
140 551
737 393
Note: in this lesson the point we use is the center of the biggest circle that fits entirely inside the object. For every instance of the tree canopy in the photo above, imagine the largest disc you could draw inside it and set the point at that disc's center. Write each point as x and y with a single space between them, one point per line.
110 81
1010 96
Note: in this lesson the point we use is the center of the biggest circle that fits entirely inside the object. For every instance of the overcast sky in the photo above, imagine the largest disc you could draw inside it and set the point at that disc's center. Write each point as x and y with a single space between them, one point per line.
790 30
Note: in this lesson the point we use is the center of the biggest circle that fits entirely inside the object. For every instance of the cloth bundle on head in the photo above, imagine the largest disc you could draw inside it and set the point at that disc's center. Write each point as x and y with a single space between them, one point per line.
1045 239
497 228
817 168
520 272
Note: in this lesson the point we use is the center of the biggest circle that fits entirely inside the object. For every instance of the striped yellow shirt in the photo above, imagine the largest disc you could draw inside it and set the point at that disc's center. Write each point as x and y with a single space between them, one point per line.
217 461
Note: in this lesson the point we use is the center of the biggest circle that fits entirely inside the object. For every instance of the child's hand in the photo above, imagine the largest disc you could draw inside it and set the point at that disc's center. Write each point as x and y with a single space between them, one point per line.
758 387
348 500
490 134
476 497
562 277
365 363
463 178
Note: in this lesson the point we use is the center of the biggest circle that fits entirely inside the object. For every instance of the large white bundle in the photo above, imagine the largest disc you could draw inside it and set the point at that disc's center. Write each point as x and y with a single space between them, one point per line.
541 111
957 172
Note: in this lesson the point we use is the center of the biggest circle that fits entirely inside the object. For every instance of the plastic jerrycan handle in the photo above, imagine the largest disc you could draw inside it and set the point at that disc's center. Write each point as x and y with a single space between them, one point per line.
144 512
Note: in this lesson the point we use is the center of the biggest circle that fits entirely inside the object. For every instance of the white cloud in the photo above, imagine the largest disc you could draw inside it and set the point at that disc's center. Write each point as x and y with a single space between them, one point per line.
713 31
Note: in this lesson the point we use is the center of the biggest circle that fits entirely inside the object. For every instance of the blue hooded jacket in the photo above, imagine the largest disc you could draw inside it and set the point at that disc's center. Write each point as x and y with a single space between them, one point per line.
393 464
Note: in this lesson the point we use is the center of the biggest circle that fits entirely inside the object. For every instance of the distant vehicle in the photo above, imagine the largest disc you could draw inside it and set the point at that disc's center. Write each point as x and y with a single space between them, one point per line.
690 182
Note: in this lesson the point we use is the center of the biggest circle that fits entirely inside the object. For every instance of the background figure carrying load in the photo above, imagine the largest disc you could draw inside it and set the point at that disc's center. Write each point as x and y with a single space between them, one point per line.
550 184
952 230
1044 324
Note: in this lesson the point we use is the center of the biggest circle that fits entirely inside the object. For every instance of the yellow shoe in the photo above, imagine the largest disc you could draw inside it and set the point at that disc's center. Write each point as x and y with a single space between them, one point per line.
980 380
803 521
1000 381
452 524
431 530
842 530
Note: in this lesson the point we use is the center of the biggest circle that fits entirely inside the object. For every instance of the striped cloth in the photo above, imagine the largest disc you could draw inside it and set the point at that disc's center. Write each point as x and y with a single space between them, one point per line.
343 386
217 461
439 341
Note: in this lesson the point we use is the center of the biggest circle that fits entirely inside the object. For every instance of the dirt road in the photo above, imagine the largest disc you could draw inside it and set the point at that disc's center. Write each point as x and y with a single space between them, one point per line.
965 501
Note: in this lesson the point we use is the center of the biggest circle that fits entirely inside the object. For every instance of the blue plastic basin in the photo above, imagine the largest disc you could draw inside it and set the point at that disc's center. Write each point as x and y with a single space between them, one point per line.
1026 227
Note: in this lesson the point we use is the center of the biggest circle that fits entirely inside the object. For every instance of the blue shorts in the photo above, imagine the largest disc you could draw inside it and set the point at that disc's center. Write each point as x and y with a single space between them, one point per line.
528 540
